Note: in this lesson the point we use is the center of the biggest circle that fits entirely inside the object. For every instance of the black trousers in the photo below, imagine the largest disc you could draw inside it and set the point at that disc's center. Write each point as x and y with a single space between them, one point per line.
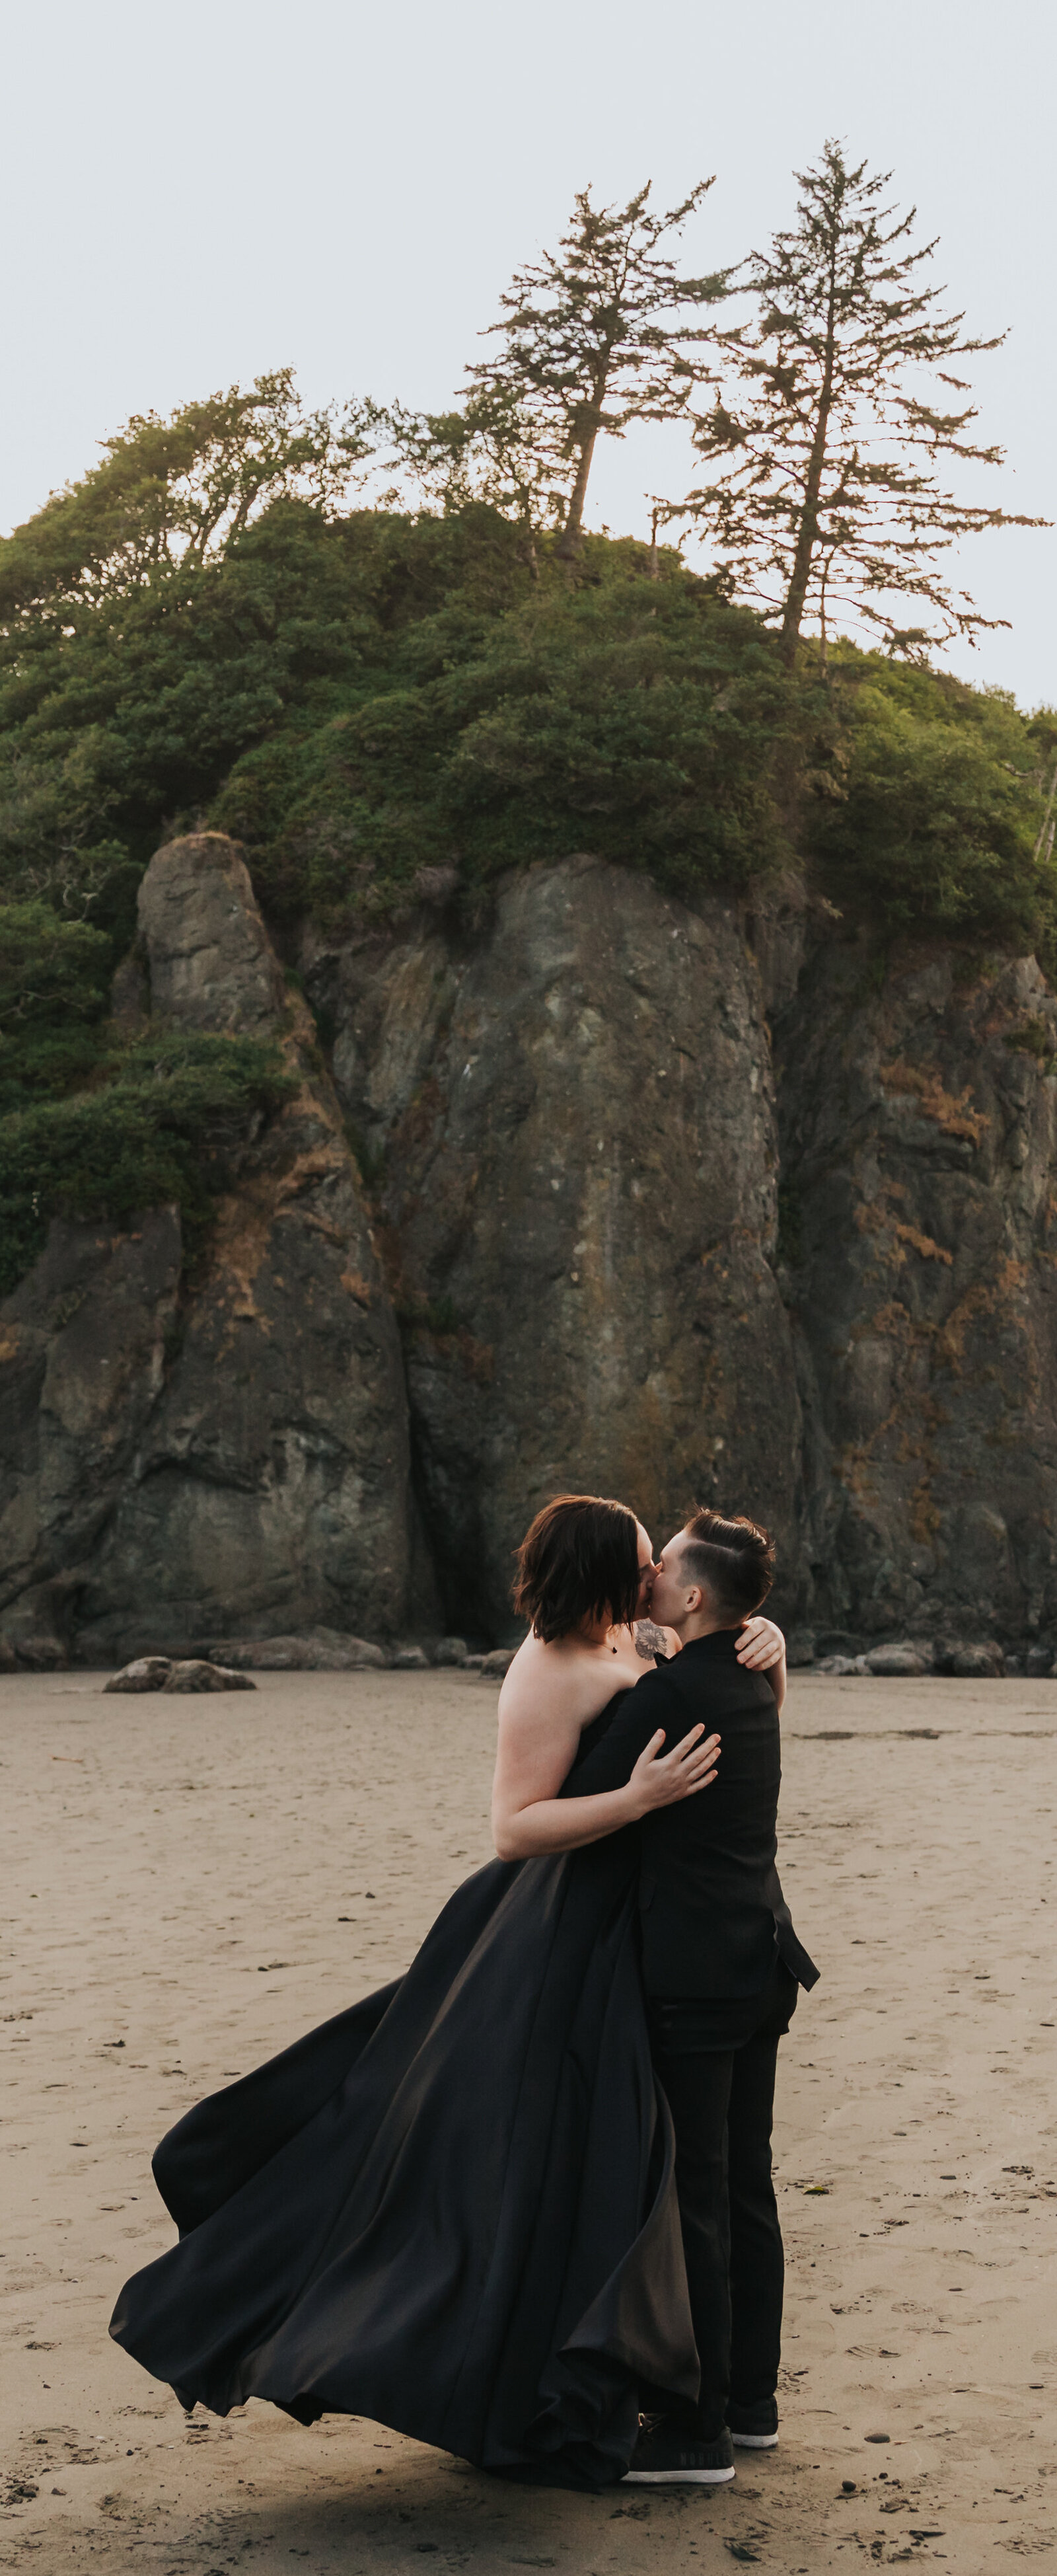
716 2060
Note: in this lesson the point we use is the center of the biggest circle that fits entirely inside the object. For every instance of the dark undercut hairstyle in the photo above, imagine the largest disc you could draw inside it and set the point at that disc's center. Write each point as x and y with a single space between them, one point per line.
579 1560
732 1560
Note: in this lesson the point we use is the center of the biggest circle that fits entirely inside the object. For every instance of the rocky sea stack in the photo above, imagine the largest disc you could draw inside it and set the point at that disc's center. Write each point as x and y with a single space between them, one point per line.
609 1190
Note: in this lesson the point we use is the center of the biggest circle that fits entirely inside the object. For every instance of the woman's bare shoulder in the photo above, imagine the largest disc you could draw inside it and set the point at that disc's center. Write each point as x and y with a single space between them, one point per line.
559 1687
541 1681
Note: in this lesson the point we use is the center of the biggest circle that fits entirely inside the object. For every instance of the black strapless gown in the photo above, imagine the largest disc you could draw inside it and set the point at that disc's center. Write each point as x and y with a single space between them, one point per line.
452 2208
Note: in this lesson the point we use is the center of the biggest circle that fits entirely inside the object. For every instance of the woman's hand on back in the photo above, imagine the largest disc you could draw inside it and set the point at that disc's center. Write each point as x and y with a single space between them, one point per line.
661 1779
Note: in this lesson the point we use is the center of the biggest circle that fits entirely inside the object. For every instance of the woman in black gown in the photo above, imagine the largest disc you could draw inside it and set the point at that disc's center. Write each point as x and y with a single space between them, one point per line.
451 2209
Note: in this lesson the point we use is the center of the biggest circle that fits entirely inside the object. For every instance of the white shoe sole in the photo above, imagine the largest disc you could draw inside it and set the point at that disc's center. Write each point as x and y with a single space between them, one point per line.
755 2441
677 2477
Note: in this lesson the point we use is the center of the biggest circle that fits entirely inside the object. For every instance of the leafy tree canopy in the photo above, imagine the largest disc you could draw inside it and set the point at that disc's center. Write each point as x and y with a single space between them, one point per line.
170 494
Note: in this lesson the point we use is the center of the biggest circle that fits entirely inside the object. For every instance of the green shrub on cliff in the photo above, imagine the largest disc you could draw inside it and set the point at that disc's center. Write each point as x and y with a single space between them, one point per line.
119 711
638 719
358 697
54 990
163 1128
932 810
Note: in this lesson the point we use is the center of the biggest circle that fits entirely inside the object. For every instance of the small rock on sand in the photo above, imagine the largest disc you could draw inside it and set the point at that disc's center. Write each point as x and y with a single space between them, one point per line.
147 1673
159 1673
198 1676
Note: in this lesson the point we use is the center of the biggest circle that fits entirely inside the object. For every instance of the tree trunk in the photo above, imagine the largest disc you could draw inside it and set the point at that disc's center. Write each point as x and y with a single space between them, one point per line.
569 540
807 533
823 634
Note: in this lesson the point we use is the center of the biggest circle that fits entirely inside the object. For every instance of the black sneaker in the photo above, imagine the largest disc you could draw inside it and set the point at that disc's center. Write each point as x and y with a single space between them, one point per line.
665 2457
754 2428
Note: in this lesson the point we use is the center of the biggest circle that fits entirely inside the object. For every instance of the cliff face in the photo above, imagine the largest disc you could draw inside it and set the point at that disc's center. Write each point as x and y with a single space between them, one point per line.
639 1202
572 1123
919 1159
231 1453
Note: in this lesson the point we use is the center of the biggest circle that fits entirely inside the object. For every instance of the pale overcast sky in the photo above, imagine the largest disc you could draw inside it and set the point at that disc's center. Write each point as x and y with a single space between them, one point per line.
194 194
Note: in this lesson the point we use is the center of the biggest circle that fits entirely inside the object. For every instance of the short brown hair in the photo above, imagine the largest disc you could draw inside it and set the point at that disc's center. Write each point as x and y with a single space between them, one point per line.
579 1560
732 1559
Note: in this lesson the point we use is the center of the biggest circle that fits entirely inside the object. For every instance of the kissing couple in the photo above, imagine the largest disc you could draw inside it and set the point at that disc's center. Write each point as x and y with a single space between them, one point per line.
518 2204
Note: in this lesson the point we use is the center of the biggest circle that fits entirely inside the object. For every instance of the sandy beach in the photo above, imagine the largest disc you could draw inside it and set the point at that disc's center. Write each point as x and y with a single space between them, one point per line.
190 1883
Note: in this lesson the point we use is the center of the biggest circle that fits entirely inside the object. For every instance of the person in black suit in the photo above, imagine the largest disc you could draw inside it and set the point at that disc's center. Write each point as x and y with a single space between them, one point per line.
721 1967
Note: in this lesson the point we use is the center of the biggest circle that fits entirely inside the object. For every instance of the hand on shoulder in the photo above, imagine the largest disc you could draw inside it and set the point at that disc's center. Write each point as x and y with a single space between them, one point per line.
760 1644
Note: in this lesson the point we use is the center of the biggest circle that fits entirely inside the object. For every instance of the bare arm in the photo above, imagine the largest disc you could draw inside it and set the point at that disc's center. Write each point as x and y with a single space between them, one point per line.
761 1648
536 1752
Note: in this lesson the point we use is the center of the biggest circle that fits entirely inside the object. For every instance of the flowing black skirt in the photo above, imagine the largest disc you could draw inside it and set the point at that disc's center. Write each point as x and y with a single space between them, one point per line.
452 2208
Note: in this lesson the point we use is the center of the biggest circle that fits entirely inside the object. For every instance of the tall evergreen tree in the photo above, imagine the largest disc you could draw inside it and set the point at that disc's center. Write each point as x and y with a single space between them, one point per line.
824 448
600 332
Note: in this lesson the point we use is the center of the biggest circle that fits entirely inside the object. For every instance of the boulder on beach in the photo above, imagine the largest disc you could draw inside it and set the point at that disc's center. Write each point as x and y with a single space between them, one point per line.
160 1673
145 1673
899 1661
321 1650
41 1654
983 1662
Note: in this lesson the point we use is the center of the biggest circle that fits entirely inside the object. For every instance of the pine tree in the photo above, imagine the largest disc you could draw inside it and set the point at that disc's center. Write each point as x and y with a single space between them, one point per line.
599 333
824 447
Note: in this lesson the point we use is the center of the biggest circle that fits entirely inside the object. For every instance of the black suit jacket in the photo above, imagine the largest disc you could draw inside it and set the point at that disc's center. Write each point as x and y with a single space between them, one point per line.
713 1913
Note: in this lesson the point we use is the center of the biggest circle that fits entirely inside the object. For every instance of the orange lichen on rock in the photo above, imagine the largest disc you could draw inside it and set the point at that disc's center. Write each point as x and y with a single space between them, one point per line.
873 1216
922 1243
923 1084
